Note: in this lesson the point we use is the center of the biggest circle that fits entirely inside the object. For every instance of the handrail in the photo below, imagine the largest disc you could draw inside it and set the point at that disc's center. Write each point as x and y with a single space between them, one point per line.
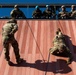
32 5
53 6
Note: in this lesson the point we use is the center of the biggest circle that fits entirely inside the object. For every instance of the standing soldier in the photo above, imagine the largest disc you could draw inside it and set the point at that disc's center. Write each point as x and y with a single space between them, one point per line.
17 13
8 32
63 14
73 12
37 14
60 46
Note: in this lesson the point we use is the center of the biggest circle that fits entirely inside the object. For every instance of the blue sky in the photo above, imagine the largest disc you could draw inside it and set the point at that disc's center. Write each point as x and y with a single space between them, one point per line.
28 11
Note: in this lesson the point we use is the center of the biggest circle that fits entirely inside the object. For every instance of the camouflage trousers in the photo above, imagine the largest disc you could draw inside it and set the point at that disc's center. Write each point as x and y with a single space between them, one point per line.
57 50
10 40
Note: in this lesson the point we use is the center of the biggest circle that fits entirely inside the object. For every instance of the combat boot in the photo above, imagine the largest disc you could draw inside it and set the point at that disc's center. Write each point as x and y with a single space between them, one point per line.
19 61
10 63
69 61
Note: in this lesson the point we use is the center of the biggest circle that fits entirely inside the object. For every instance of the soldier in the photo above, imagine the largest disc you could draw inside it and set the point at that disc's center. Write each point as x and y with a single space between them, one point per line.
72 8
63 14
8 31
17 13
47 13
60 46
73 12
37 14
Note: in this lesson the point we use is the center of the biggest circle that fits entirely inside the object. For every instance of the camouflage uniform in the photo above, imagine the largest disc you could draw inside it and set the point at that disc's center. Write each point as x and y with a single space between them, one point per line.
60 46
37 14
73 12
63 14
48 13
8 32
17 13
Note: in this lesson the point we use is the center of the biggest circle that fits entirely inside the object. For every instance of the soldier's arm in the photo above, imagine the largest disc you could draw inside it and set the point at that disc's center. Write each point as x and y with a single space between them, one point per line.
53 15
23 15
59 15
14 28
54 38
12 13
34 14
73 14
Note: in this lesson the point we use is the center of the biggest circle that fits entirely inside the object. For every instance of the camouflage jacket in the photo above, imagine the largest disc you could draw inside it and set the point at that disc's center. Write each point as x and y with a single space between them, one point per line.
73 14
47 14
17 14
63 15
37 14
9 29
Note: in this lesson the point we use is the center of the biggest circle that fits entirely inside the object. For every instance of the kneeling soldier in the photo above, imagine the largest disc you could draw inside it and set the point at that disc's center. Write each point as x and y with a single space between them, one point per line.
60 46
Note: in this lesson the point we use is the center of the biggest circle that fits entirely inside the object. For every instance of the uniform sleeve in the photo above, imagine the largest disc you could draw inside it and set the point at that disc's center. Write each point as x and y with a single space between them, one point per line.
12 13
54 38
14 28
2 30
22 14
33 14
73 14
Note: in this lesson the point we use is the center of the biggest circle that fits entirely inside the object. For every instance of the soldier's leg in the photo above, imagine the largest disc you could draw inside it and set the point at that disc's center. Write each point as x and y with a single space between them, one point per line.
54 50
70 57
69 54
6 51
16 51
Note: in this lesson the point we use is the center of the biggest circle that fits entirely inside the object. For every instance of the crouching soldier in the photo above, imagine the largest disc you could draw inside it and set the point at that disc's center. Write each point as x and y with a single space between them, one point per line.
8 32
60 46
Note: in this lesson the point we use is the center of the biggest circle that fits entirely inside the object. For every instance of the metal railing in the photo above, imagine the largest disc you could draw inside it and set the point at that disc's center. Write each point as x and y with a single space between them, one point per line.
27 6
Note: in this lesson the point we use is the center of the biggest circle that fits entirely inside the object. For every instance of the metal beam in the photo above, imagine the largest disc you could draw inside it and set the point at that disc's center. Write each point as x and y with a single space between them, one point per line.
32 5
